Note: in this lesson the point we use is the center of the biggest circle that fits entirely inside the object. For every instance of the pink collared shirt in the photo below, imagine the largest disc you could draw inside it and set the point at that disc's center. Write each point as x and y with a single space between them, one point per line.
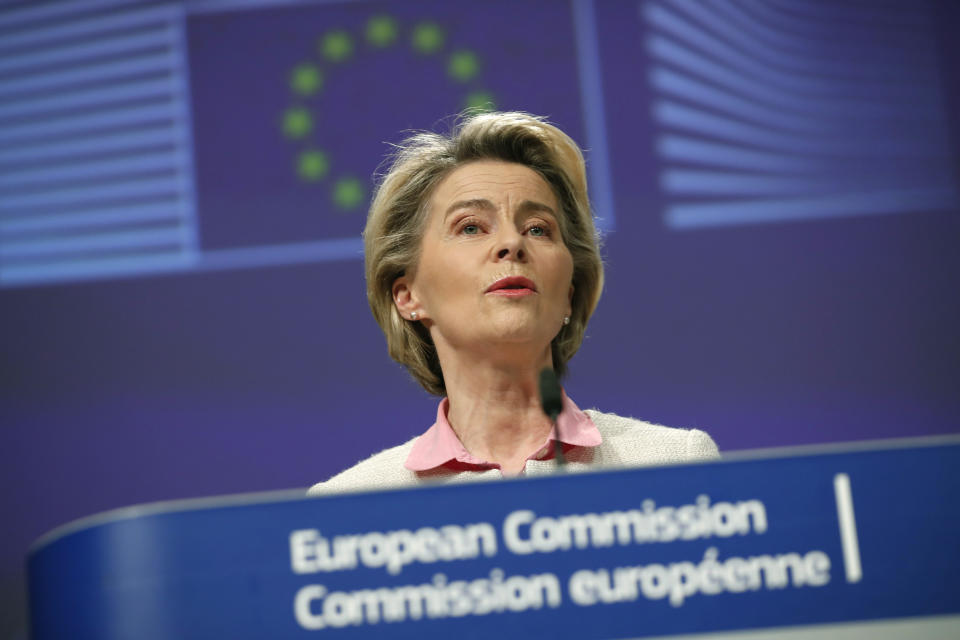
440 446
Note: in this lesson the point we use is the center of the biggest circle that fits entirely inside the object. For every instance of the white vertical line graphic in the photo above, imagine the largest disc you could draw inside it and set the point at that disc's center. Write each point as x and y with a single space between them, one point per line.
848 527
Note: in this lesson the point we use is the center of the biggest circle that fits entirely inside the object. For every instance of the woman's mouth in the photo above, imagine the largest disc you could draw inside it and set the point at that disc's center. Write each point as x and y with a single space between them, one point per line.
512 286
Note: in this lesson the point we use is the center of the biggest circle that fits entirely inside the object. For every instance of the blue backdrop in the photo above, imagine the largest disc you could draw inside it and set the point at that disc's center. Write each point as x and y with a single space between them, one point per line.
182 188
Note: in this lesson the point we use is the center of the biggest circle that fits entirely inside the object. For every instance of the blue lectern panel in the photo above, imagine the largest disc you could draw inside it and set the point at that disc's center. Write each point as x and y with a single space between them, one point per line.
694 548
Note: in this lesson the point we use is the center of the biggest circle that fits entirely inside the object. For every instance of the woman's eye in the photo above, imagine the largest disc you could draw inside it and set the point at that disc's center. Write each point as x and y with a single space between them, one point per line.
470 229
537 231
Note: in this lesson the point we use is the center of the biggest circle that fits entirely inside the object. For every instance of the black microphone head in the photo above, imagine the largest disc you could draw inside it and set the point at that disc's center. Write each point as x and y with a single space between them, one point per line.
551 398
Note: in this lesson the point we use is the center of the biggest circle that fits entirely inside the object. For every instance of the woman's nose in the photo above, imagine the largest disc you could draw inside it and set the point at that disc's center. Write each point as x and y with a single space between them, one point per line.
510 245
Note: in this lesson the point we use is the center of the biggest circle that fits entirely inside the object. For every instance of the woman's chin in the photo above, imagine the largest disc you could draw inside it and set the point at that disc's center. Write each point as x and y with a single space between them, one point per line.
528 332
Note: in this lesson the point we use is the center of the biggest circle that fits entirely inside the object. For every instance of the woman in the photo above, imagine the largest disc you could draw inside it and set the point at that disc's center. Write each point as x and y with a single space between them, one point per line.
482 269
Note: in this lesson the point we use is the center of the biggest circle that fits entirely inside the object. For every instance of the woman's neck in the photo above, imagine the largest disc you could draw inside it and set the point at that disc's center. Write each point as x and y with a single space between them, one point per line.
495 408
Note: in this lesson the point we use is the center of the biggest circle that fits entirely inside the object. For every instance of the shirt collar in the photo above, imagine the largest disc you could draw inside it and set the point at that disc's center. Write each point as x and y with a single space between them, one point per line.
440 445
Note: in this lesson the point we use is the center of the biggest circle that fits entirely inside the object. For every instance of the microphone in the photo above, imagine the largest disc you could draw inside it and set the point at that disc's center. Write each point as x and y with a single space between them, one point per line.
551 401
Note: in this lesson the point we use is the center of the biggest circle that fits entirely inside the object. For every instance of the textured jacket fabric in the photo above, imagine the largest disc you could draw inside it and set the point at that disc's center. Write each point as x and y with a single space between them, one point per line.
626 443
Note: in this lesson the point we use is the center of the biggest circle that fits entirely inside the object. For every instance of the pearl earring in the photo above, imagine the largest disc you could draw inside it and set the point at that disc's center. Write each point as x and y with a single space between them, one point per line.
566 320
413 315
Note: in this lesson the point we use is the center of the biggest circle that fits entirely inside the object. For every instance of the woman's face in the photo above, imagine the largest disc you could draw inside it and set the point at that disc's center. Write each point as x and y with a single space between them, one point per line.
493 266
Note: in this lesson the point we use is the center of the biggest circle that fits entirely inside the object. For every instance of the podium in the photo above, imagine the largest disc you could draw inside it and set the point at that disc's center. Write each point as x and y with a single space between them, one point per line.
826 542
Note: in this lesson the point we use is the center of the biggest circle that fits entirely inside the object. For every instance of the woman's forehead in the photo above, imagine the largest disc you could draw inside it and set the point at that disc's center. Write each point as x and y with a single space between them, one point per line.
494 181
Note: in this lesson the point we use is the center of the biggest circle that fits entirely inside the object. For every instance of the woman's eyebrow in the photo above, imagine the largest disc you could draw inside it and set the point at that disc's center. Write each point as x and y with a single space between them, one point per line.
474 203
527 206
531 206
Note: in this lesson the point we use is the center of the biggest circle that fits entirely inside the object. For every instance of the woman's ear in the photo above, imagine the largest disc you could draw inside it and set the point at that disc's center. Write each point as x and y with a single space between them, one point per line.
405 301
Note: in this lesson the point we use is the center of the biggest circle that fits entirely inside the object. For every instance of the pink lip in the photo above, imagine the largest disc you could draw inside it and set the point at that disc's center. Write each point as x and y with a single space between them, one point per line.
512 286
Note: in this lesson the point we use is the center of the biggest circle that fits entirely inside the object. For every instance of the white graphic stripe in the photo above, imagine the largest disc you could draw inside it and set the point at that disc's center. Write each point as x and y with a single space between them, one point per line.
848 527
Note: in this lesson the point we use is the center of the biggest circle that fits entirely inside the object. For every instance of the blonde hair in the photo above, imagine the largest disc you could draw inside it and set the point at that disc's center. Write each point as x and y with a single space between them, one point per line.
399 210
